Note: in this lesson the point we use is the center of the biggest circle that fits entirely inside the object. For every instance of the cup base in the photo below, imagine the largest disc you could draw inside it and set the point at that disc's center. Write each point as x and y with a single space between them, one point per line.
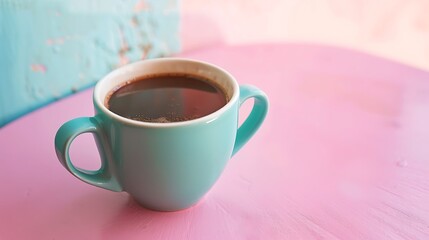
164 209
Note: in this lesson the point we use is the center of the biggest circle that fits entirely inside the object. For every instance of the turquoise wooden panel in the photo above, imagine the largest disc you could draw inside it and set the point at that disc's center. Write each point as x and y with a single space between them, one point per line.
50 48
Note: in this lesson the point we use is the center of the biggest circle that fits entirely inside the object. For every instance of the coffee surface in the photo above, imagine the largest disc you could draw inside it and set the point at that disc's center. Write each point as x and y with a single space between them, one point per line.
166 98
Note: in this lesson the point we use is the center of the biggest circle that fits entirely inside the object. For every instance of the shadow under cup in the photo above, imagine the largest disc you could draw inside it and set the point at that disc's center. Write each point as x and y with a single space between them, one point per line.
163 166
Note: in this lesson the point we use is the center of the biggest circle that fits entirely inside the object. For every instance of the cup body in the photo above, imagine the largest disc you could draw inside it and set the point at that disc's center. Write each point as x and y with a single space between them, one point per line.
163 166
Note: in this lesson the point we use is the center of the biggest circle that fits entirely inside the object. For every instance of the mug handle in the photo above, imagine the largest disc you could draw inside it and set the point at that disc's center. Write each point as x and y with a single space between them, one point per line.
102 177
255 118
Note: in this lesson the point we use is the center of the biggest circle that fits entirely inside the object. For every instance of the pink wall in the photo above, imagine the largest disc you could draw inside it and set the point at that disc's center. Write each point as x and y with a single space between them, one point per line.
396 29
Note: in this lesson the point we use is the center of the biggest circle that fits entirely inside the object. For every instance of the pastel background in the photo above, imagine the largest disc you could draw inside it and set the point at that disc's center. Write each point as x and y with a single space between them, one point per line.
51 49
394 29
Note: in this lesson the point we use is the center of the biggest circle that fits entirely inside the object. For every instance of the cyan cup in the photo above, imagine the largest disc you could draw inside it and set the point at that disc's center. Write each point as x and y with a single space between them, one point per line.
163 166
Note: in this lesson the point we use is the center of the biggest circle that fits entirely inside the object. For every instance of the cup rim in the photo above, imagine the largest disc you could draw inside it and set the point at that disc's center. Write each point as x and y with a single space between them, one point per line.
205 119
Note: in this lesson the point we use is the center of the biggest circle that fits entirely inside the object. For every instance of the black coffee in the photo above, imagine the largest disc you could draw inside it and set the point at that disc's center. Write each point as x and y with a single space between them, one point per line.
166 98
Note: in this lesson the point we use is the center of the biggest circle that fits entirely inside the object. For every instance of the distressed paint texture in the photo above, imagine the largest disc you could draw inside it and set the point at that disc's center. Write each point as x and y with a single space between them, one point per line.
53 48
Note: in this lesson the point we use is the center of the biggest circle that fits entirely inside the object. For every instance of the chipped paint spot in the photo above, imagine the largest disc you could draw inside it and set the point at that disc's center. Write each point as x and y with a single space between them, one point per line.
135 21
74 89
55 41
124 43
145 48
141 6
38 68
60 41
123 59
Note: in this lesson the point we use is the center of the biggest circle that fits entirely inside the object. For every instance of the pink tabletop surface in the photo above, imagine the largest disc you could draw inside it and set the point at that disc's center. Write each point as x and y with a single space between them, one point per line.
343 154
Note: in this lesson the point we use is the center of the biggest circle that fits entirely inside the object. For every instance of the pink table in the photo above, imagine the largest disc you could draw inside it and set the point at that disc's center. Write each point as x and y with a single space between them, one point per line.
343 154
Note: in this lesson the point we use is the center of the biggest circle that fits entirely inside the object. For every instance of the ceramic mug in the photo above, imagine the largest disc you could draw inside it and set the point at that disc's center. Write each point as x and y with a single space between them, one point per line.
163 166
